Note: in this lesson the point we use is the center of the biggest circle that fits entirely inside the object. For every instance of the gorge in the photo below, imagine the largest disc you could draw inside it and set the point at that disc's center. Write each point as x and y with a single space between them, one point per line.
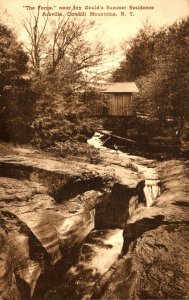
76 230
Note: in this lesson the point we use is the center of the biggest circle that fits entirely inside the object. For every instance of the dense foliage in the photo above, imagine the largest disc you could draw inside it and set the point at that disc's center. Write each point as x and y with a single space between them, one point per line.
16 98
45 95
139 56
62 116
62 60
158 62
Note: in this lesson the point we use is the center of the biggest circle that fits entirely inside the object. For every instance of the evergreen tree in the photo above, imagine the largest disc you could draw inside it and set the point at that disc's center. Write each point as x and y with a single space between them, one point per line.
15 94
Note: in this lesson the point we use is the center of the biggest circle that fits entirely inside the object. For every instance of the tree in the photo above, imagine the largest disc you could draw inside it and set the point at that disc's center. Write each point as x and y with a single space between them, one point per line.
165 89
139 55
54 43
15 93
63 68
158 62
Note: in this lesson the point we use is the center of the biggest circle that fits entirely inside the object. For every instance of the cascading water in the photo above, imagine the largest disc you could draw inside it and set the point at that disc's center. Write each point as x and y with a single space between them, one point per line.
103 246
151 191
152 183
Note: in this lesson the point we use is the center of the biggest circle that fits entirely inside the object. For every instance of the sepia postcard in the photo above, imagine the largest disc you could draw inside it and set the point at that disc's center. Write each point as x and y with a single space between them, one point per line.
94 149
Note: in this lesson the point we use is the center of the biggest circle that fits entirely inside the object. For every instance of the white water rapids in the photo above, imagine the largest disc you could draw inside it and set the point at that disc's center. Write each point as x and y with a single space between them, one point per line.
102 248
150 175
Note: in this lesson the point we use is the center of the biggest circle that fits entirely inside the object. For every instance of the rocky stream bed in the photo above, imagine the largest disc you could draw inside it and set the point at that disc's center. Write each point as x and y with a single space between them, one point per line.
118 229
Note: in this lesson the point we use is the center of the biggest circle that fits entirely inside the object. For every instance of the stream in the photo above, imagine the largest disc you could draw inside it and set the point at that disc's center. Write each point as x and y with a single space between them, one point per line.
102 248
144 166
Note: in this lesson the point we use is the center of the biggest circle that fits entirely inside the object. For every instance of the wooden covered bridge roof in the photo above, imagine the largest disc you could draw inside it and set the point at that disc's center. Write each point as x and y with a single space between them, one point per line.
121 87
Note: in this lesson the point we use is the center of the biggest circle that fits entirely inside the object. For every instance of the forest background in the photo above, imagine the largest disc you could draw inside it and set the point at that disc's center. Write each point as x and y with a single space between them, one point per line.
50 84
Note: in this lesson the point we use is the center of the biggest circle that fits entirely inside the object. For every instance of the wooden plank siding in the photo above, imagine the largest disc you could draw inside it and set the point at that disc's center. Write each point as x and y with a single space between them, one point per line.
118 100
99 110
120 104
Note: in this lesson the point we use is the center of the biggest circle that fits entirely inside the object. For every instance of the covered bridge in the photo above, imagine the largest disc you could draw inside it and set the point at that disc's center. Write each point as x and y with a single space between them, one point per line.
118 99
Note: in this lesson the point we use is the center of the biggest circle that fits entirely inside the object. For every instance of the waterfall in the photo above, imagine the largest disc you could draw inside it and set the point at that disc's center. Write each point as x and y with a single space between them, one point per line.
151 191
152 183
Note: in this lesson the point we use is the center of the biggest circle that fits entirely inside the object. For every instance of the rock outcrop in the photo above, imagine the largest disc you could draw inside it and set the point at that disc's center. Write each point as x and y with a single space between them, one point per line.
47 209
36 232
156 245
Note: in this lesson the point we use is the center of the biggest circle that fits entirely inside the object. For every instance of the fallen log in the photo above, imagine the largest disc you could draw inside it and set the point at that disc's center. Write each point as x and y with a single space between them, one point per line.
118 137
